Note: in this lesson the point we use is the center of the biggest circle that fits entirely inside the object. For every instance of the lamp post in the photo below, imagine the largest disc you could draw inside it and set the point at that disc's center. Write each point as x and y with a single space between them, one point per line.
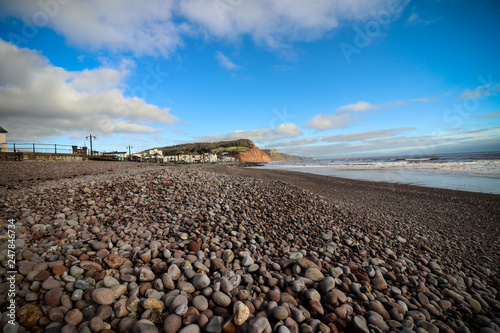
90 137
129 153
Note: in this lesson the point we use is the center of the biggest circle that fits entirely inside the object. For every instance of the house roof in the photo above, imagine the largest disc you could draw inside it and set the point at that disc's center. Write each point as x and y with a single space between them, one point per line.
2 130
115 152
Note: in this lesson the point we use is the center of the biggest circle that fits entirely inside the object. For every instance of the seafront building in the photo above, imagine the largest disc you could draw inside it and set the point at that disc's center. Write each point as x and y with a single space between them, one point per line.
3 139
156 155
193 158
118 155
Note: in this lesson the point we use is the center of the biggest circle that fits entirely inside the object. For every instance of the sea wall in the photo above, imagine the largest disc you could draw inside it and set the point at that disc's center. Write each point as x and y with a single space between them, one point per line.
26 156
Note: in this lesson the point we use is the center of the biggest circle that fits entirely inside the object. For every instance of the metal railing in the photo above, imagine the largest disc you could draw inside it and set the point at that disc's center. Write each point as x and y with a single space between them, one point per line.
25 147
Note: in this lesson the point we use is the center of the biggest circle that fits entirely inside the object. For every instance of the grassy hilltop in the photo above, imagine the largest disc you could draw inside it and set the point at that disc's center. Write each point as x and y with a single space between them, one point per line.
232 147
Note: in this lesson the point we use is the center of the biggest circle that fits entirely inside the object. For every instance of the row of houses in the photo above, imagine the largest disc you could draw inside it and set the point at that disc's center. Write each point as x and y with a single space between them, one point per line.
153 155
156 155
199 158
192 158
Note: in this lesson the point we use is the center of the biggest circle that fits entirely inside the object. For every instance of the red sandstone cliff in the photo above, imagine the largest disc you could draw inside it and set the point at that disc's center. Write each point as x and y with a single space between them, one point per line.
253 155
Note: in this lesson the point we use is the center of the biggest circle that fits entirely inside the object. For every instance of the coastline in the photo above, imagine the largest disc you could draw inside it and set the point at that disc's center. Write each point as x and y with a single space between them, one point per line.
423 177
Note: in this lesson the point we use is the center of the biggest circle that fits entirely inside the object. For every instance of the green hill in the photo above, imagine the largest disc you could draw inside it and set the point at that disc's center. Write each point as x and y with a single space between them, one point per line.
232 147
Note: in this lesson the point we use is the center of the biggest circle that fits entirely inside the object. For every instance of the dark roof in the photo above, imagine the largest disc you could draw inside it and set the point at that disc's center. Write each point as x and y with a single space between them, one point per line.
2 130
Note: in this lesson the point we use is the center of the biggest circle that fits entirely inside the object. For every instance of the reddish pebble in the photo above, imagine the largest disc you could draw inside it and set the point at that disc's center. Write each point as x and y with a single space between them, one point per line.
26 266
194 246
114 260
172 324
73 317
53 297
273 295
42 276
103 296
59 269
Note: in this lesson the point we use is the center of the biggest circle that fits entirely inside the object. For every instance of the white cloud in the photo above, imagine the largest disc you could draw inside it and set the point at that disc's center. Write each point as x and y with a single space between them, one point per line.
323 122
366 135
140 26
486 90
281 132
276 23
402 145
254 135
97 80
288 130
425 99
159 26
365 106
225 62
415 19
40 101
488 115
343 116
345 138
293 143
359 107
476 131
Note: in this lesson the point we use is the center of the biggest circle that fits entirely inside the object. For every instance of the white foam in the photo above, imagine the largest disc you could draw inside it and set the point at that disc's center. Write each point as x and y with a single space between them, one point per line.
484 167
475 176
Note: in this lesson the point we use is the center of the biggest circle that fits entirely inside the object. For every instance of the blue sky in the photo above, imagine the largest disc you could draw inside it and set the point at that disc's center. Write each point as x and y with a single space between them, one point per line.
309 77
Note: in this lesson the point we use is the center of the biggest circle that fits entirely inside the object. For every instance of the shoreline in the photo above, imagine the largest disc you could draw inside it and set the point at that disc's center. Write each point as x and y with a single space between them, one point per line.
424 177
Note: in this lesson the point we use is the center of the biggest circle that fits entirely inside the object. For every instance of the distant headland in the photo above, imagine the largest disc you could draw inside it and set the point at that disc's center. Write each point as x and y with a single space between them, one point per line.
243 150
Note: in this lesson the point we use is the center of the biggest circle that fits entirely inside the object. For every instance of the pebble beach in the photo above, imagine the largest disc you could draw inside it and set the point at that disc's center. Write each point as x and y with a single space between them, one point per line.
131 247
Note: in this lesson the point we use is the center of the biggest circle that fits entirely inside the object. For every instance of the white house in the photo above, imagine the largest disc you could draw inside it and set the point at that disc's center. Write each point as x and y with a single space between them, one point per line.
151 154
3 140
155 151
192 158
210 158
224 157
121 155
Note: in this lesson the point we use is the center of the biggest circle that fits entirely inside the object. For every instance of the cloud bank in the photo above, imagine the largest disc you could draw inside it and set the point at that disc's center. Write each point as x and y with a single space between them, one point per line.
158 26
345 114
40 101
486 139
345 138
281 132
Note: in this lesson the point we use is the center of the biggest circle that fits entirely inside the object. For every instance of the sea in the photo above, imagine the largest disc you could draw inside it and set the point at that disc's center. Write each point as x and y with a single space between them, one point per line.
473 172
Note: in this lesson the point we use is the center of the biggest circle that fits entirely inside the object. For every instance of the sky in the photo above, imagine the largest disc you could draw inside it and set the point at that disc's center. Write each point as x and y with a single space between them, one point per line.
319 78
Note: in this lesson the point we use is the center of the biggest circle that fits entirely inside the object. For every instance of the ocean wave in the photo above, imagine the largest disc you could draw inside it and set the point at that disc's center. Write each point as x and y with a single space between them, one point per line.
486 167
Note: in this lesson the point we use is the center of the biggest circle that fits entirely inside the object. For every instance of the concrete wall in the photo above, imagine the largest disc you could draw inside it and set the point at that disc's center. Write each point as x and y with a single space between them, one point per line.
25 156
